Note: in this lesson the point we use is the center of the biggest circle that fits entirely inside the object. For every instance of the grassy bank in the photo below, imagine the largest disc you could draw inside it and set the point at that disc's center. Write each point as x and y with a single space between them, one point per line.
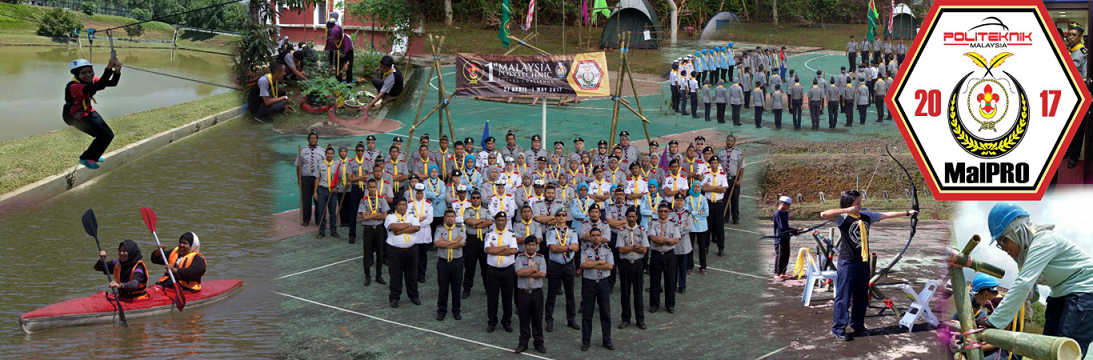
27 160
829 37
15 30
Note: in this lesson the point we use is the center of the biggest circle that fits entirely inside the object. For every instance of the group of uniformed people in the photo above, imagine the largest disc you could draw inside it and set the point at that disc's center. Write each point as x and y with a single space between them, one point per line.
758 79
525 218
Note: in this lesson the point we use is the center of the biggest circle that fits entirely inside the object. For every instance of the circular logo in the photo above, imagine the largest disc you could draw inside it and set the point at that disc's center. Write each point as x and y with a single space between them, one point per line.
472 72
987 105
560 70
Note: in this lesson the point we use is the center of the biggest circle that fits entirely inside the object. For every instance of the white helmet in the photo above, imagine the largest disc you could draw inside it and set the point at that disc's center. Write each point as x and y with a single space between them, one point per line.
78 63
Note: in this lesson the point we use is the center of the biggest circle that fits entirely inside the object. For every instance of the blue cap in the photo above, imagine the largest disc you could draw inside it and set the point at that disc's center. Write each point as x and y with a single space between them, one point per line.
1000 217
984 281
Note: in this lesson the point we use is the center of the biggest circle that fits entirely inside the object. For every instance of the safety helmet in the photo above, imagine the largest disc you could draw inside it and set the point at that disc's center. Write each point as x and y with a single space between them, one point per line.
78 63
1000 217
984 281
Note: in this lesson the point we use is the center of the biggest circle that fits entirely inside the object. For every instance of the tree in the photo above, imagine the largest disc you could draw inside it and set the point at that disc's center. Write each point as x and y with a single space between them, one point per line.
135 30
774 7
448 12
59 23
88 8
394 15
141 14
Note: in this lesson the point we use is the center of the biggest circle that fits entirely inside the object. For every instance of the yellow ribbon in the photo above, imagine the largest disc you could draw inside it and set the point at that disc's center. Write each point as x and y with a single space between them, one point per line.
402 219
449 240
864 237
799 268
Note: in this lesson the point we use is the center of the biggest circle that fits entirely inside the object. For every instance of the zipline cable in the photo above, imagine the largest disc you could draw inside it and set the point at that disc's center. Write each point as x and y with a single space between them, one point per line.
159 18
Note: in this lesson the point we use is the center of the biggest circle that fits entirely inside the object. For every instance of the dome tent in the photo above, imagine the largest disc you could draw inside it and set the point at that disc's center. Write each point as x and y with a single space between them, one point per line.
635 16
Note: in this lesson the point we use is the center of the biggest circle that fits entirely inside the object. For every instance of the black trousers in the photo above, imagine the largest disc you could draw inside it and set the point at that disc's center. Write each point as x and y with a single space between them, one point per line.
307 199
675 97
345 215
93 125
869 85
734 205
613 278
736 114
352 203
727 75
500 285
814 107
633 275
865 56
595 293
852 58
663 264
474 253
852 282
879 100
374 237
449 276
328 207
781 255
683 102
717 223
796 104
758 116
261 110
402 264
694 104
345 58
720 113
848 109
777 118
832 113
707 111
747 97
861 113
703 239
560 277
1067 316
876 56
422 259
693 238
529 306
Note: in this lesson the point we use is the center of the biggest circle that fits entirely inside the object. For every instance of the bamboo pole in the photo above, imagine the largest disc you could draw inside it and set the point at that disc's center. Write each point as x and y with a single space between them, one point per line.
615 111
964 305
962 260
538 50
524 40
1034 346
440 84
428 80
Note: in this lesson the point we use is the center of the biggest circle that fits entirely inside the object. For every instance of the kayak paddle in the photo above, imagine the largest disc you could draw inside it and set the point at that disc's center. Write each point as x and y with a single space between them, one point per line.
92 228
150 219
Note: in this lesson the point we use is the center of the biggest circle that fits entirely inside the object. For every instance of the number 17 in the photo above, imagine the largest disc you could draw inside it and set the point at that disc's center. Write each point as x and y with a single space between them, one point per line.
1055 94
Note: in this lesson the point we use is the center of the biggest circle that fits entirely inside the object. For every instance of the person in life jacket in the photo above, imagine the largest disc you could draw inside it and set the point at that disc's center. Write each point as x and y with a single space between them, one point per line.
77 111
265 99
186 261
389 83
128 272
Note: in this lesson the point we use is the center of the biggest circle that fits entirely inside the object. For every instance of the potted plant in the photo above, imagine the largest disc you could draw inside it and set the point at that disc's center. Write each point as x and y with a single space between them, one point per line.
319 93
352 106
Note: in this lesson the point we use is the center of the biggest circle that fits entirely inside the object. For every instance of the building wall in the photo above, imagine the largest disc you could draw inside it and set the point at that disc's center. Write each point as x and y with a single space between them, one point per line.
309 25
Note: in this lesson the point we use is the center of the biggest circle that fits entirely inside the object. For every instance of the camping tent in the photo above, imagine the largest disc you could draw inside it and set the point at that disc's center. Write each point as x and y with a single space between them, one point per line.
720 21
903 24
635 16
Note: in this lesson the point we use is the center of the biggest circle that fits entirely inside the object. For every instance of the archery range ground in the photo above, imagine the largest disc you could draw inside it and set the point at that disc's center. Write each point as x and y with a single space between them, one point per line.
732 312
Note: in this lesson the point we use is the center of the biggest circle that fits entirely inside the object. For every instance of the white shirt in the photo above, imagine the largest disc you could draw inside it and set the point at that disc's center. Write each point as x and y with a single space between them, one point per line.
507 239
483 159
719 179
420 208
600 188
508 205
456 206
635 186
404 240
674 183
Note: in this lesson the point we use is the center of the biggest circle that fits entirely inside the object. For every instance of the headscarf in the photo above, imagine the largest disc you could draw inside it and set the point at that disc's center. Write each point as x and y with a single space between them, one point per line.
134 256
195 243
433 167
721 82
653 183
694 184
580 185
1023 233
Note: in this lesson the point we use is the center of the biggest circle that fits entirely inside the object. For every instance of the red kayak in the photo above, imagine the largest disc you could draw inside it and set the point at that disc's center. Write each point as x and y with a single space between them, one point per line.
102 309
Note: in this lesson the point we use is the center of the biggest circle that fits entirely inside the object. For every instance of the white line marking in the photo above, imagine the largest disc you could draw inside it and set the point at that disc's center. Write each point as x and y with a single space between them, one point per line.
434 86
749 197
737 273
409 326
756 162
772 353
324 266
810 60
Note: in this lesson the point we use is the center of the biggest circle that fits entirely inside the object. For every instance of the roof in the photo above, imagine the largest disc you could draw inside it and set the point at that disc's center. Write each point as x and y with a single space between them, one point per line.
641 5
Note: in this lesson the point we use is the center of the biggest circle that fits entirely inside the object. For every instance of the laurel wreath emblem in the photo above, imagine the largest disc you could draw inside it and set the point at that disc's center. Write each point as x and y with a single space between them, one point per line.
982 148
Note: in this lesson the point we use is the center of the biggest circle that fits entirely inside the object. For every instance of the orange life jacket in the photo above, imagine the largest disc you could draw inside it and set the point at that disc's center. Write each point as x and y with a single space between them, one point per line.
186 261
132 294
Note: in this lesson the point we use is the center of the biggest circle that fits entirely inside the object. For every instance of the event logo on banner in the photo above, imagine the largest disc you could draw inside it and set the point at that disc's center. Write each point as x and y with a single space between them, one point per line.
989 101
499 75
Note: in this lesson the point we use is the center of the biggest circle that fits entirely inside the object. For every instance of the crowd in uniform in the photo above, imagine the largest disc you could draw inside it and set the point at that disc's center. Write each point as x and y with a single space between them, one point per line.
726 78
528 218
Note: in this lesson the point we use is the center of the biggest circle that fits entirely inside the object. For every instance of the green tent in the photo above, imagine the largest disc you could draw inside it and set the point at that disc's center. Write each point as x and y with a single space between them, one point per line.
635 16
904 24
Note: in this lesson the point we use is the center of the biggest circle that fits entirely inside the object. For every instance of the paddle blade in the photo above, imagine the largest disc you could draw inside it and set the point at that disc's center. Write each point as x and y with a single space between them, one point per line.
180 296
89 224
149 216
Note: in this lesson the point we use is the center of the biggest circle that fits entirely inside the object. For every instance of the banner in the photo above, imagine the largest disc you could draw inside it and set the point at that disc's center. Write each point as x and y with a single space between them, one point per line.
499 75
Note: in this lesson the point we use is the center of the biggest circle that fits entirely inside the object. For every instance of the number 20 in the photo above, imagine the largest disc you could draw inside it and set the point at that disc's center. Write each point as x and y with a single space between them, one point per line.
930 100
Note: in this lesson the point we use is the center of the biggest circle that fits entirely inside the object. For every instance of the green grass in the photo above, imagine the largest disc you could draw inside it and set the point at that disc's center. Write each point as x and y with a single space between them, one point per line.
829 37
27 160
16 31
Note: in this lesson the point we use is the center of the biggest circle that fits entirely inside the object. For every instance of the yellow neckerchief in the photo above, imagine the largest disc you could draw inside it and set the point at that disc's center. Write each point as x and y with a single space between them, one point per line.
563 194
652 205
461 165
542 174
272 84
379 185
86 107
695 204
418 208
500 241
526 193
360 170
584 208
449 239
500 199
443 161
394 170
461 206
691 165
613 174
1074 48
402 219
675 181
388 72
713 175
572 177
329 181
563 241
338 45
476 217
517 167
644 173
527 227
510 175
433 186
864 237
373 205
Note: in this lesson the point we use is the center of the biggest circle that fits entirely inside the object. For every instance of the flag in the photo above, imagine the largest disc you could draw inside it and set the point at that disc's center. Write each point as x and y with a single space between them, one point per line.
600 7
486 131
503 32
664 160
584 11
891 15
782 55
531 15
873 15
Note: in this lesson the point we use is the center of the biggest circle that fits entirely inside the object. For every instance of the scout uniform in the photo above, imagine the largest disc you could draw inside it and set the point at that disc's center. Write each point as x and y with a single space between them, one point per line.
529 299
732 161
684 248
632 271
600 188
663 263
449 268
474 254
356 166
595 292
833 93
815 104
500 277
501 202
445 160
373 236
777 102
758 102
852 54
402 258
880 89
887 51
560 272
329 174
308 161
522 228
736 100
796 101
848 96
878 45
901 52
422 208
396 167
717 204
862 95
864 47
746 84
673 84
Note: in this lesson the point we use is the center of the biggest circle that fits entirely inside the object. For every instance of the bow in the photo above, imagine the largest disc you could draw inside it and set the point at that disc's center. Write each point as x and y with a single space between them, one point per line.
790 232
914 221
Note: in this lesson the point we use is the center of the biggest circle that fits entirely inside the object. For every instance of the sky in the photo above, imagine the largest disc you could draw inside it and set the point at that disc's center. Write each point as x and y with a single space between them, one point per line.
1067 210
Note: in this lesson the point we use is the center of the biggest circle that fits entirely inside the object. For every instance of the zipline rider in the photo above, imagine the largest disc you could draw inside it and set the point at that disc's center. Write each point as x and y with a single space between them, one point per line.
78 113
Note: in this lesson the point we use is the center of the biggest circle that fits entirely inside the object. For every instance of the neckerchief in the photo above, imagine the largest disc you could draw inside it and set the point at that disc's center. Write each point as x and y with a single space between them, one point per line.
372 205
864 236
402 219
563 240
329 181
500 240
476 217
500 199
449 239
360 170
394 171
433 185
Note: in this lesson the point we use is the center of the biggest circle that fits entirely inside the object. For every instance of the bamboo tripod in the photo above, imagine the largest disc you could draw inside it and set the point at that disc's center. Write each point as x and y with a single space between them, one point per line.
624 70
441 108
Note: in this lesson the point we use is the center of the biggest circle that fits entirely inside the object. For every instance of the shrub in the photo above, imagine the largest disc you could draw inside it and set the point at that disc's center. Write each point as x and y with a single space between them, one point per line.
141 14
88 8
135 30
59 23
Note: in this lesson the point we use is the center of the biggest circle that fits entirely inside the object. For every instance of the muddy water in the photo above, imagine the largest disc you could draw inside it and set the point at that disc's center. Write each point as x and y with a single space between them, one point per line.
214 184
34 80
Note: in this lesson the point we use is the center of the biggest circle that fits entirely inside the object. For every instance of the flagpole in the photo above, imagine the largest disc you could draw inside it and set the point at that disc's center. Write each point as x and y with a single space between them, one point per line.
544 121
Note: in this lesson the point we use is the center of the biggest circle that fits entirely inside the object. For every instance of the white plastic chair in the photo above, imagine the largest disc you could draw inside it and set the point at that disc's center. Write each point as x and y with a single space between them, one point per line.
815 274
920 305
